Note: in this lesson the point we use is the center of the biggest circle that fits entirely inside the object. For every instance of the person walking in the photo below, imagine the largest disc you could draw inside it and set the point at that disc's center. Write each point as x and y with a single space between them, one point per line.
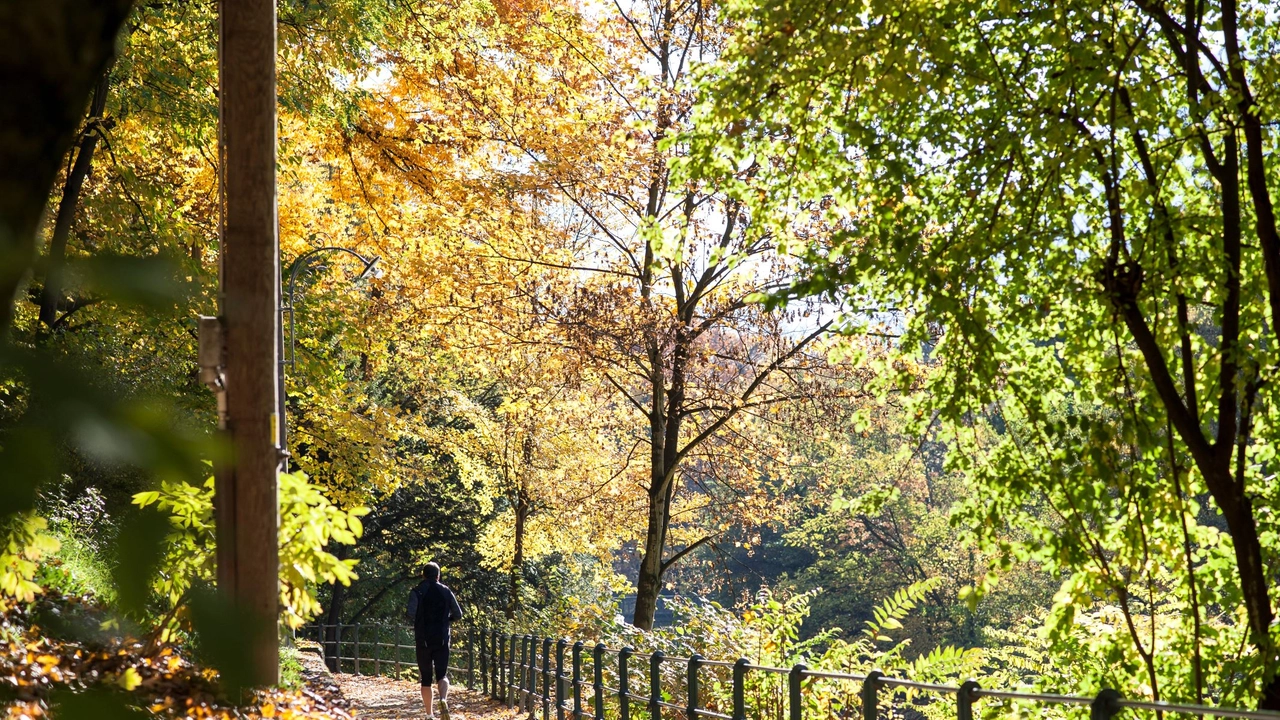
433 607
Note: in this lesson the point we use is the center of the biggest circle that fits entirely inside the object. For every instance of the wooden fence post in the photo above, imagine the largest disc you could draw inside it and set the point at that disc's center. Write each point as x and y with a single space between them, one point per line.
399 634
357 648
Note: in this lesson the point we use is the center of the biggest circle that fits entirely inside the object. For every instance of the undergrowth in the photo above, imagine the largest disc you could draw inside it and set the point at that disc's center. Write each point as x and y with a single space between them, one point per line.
290 668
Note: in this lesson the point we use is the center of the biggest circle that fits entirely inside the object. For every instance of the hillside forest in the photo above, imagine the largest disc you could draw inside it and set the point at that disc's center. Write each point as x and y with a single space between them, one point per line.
935 337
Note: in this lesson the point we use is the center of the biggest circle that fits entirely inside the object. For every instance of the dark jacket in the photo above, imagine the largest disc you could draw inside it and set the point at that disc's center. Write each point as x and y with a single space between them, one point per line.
436 609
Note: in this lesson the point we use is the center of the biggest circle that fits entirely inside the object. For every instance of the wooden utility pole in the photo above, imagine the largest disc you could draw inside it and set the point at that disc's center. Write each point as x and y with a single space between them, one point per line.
247 509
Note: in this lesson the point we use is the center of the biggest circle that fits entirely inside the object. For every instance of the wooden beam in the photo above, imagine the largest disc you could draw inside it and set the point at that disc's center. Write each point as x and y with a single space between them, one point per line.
247 511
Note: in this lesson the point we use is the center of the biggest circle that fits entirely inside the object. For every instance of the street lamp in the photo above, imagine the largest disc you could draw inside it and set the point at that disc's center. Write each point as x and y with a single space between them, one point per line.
299 263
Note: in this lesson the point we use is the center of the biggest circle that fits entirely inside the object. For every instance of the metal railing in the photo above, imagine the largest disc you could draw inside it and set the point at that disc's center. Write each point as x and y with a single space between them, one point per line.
534 675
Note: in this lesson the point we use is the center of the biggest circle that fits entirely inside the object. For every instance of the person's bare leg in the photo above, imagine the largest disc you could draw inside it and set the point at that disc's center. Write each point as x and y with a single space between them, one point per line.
428 701
444 698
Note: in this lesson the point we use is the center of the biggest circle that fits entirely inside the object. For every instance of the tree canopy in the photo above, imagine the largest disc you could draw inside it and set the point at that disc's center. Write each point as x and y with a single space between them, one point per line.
950 319
1068 207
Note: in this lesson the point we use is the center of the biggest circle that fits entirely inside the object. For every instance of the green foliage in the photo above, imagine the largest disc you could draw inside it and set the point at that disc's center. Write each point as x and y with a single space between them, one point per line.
1061 215
290 667
82 527
308 522
24 543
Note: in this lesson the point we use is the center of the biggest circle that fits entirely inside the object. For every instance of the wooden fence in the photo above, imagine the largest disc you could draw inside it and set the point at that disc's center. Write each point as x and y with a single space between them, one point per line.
383 649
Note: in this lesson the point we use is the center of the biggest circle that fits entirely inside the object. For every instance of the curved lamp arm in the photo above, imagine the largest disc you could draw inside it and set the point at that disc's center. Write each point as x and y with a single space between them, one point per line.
301 262
297 265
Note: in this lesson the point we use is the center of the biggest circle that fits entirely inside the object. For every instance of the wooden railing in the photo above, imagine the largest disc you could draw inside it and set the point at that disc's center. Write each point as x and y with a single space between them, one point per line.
382 649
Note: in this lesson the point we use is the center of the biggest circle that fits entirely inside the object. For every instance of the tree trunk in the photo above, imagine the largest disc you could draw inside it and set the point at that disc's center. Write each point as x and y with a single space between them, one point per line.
1237 512
649 581
51 54
332 617
53 278
517 558
664 427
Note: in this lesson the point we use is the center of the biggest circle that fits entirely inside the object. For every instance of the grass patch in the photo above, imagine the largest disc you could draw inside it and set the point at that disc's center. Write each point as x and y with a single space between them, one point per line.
290 668
77 568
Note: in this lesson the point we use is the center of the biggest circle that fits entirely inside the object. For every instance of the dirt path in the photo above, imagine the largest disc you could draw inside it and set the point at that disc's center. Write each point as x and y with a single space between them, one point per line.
380 698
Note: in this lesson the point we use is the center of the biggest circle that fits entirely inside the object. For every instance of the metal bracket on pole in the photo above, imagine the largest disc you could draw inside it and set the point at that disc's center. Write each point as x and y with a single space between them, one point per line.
211 357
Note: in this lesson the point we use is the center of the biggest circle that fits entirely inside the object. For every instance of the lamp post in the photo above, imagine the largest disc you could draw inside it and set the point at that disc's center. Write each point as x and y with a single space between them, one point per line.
298 264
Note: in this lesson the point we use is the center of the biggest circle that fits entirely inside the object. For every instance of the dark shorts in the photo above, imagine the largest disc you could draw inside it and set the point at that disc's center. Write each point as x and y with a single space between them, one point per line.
431 659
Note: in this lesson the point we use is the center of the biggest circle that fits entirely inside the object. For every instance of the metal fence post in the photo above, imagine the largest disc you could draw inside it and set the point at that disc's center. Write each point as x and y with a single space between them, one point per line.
598 655
624 702
964 700
691 686
655 684
561 644
577 680
1106 705
795 695
739 689
546 678
356 652
377 651
869 699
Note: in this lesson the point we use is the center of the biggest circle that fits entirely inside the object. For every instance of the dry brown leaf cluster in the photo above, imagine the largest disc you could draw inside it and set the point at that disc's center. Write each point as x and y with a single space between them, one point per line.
40 667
